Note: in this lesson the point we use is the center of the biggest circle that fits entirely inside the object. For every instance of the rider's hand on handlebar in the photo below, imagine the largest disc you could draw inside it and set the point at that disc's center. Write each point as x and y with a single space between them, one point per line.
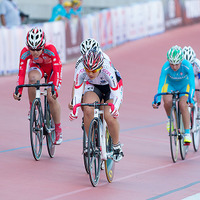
55 95
70 106
155 105
72 116
17 96
115 113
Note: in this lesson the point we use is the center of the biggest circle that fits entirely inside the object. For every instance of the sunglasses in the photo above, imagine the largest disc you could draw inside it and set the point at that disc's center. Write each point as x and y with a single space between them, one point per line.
94 71
35 49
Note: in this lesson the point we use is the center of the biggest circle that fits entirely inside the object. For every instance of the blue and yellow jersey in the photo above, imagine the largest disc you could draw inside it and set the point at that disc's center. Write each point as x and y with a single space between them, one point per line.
182 80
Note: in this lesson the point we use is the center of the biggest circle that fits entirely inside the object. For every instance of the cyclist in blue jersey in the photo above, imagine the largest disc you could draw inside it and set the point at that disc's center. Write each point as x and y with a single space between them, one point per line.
177 75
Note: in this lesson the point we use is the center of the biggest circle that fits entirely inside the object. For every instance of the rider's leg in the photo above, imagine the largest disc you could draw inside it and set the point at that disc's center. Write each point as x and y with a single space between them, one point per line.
185 112
167 99
56 114
33 76
186 118
113 124
54 108
89 97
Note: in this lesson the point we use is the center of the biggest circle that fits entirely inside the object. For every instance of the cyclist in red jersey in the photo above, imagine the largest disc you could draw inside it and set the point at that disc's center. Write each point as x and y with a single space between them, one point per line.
43 58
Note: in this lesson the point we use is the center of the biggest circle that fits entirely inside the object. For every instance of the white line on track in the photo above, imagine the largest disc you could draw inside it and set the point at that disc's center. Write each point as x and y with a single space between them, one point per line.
121 179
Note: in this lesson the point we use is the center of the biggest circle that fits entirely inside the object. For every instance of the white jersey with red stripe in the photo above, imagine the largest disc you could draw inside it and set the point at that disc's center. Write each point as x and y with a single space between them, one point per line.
108 75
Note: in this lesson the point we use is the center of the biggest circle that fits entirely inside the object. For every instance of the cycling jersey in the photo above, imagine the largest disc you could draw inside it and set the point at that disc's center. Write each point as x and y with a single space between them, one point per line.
108 76
181 80
49 62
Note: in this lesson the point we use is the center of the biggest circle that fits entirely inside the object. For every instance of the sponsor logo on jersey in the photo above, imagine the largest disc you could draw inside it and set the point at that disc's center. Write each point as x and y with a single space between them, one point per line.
106 72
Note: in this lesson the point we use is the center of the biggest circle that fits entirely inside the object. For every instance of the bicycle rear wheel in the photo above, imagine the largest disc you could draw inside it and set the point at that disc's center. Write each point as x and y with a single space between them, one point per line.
195 124
109 163
183 148
94 153
50 137
36 129
173 134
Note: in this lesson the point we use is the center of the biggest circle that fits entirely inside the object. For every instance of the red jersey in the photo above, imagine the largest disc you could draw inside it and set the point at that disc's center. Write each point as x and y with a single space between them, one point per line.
49 62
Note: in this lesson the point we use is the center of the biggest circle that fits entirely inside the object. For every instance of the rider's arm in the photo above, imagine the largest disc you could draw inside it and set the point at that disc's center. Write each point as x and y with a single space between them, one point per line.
162 79
115 87
24 56
191 78
79 77
57 67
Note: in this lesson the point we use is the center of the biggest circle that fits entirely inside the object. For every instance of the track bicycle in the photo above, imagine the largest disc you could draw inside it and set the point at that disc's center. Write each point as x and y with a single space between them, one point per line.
176 131
98 147
41 121
195 125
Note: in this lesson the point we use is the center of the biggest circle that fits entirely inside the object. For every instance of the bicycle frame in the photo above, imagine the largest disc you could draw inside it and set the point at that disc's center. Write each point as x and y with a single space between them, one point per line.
176 134
175 99
43 123
99 144
97 114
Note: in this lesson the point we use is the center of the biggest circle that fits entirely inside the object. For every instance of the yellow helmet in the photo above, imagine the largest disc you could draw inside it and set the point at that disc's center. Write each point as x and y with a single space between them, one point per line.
67 4
76 2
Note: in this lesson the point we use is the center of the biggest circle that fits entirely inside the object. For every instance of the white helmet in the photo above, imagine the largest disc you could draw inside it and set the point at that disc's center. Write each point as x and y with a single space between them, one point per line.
35 38
189 54
88 44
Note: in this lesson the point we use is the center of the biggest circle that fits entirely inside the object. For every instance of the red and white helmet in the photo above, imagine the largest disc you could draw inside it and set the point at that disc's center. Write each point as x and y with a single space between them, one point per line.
35 38
93 59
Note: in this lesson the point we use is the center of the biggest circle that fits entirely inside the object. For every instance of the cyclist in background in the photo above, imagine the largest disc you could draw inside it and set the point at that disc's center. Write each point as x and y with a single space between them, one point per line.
190 55
43 59
86 45
101 82
177 75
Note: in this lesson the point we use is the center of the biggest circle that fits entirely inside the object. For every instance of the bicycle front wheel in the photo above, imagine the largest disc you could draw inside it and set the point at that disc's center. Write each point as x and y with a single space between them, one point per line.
173 134
85 146
109 163
183 148
94 153
51 136
36 129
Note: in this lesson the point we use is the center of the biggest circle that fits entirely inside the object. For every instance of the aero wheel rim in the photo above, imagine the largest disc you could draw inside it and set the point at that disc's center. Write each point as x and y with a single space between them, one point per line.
109 163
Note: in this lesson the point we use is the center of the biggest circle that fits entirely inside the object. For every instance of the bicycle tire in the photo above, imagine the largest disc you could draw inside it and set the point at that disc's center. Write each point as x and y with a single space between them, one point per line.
109 163
173 134
183 148
36 129
85 155
94 153
50 137
195 127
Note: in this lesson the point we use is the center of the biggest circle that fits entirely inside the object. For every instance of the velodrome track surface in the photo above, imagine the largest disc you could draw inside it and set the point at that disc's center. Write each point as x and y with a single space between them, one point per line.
146 171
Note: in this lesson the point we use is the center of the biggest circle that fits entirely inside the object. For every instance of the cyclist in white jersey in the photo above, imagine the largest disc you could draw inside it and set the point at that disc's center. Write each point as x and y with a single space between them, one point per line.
190 55
86 45
102 82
